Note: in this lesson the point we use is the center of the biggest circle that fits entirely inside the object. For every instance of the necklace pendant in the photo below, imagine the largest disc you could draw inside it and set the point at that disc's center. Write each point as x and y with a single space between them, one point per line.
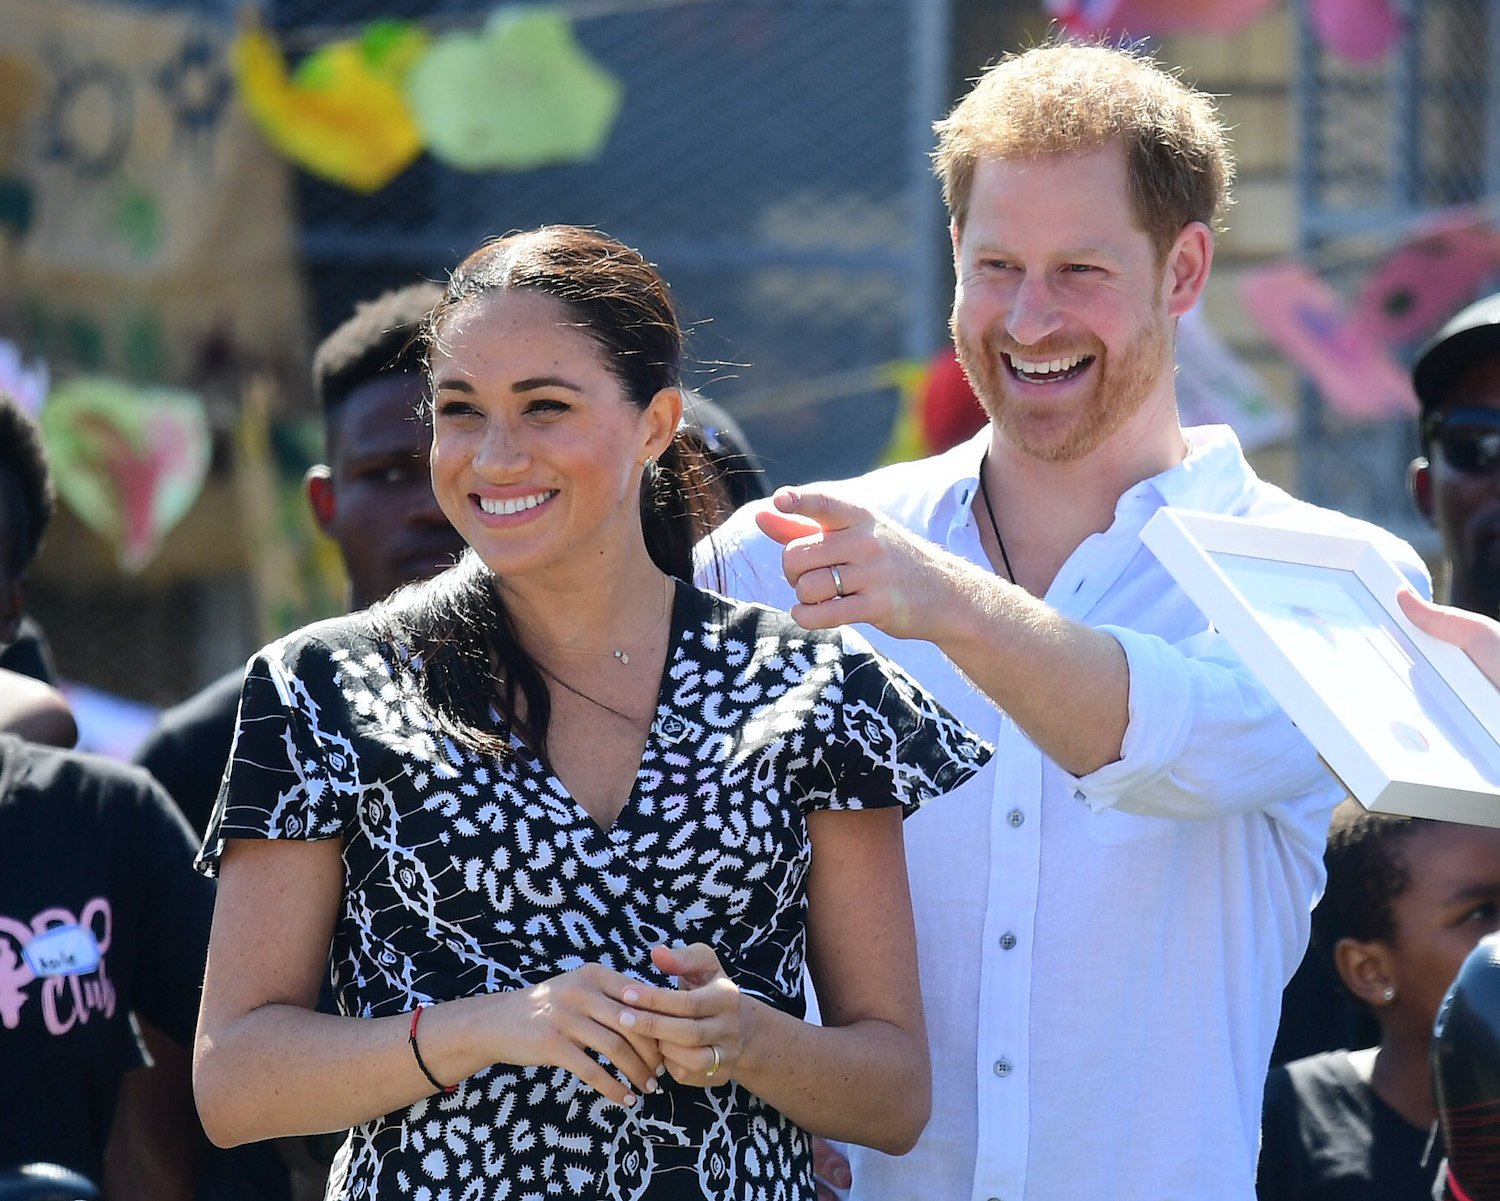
622 657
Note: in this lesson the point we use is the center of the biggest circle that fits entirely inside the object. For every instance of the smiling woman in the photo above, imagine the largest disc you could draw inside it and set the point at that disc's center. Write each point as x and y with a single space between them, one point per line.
565 827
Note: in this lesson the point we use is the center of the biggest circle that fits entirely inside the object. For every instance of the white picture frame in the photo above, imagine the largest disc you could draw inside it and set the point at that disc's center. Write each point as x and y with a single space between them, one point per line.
1406 721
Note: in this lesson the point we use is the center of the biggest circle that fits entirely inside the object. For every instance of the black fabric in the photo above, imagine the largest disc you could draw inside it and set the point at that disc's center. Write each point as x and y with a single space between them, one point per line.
468 874
1318 1014
1326 1136
29 654
188 748
91 844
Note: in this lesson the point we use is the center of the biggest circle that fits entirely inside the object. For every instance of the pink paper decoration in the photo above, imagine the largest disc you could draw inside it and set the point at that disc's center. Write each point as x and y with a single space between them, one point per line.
1361 31
1306 320
1083 16
1428 278
1158 16
128 460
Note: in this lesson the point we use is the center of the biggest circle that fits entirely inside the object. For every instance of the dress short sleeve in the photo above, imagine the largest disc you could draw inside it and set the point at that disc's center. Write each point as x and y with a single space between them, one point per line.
891 742
292 764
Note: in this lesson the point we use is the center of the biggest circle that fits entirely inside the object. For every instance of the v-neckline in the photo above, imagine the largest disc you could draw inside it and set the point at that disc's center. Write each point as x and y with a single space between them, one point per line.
675 629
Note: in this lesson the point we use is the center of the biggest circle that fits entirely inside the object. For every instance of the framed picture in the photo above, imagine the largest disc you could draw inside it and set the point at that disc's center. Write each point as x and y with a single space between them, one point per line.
1407 722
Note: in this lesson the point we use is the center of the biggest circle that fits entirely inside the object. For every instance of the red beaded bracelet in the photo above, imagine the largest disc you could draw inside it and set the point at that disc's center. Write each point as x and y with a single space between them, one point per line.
411 1037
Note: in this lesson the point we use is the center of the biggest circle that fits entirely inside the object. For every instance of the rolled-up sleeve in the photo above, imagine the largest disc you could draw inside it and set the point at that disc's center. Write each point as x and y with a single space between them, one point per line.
1204 738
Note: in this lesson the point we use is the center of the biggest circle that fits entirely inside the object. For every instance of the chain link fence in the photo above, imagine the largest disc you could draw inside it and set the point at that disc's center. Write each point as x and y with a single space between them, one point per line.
769 157
1380 146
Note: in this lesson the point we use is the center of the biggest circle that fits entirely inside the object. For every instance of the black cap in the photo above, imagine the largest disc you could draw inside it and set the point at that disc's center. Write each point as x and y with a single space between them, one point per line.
1471 334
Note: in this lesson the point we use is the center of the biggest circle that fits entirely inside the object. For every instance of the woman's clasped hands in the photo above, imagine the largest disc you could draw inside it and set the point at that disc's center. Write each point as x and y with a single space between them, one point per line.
695 1032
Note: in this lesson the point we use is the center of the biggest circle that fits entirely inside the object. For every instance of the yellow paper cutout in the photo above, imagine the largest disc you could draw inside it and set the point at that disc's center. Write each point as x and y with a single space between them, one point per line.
342 117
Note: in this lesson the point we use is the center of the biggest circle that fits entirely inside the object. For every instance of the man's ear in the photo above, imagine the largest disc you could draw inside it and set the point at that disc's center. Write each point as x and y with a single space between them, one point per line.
1187 267
321 495
1419 487
1365 969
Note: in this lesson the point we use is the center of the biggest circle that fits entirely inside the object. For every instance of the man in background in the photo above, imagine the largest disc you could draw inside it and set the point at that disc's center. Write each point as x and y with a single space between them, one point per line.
1455 483
1455 486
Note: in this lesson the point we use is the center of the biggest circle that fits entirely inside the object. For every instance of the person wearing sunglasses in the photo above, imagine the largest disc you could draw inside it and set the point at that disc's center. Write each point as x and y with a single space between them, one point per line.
1455 483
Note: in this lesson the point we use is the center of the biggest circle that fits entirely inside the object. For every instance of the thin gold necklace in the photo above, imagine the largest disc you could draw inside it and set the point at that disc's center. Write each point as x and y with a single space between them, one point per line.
622 655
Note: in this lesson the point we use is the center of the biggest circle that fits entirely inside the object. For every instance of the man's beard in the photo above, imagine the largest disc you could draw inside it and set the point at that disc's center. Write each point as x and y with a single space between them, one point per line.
1122 382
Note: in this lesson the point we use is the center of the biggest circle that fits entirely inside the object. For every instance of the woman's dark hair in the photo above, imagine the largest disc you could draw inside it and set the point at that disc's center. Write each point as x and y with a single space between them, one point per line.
467 654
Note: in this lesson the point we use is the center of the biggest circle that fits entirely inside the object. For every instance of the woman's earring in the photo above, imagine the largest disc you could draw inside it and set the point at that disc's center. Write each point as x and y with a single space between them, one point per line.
1389 994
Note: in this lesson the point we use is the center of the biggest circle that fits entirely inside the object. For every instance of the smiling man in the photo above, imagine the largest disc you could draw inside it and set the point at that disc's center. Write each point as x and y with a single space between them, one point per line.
1106 915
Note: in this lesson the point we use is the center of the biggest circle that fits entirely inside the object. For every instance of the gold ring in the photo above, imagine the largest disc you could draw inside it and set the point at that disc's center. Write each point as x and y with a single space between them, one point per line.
838 581
713 1071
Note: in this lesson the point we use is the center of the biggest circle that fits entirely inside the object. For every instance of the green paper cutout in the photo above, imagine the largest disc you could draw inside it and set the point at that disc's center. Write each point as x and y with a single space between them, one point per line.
521 94
391 46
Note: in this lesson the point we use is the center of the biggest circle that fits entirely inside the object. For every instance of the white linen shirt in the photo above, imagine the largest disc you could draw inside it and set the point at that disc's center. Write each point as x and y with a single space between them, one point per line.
1102 958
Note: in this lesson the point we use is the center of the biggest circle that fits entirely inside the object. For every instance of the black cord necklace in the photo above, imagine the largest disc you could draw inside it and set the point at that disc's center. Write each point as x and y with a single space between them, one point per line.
994 525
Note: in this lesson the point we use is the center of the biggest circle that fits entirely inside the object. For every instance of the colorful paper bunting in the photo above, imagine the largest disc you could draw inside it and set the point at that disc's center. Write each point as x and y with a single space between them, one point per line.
1428 278
1306 320
129 461
518 95
342 116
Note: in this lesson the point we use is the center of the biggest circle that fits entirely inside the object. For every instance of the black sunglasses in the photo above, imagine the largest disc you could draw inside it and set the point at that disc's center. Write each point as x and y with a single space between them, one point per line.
1469 438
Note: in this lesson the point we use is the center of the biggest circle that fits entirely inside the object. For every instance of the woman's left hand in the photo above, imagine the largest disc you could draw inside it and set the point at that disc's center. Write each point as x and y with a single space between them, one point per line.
700 1026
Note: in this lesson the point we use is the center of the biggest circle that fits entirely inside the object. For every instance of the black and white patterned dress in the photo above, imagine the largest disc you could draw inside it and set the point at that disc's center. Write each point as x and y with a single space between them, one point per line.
467 875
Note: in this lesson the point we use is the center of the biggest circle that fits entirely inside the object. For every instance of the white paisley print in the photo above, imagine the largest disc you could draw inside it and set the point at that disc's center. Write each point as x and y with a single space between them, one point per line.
467 875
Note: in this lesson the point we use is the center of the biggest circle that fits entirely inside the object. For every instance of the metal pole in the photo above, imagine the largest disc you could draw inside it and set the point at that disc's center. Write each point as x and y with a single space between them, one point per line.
931 26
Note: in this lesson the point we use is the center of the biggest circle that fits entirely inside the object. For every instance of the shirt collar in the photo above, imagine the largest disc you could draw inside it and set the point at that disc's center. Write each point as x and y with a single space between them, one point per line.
953 481
1213 477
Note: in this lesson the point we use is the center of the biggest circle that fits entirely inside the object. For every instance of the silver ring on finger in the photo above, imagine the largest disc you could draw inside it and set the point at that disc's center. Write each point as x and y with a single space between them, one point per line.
838 581
714 1070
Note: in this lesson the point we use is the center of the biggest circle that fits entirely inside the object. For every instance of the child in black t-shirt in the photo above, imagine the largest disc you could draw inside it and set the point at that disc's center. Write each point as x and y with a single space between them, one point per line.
102 921
1407 899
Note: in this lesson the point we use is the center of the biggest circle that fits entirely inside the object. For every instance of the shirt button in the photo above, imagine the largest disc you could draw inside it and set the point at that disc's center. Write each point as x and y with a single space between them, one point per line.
1015 817
1002 1068
1007 941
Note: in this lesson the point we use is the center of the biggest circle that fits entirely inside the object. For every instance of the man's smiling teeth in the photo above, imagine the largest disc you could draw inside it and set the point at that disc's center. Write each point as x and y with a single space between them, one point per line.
1046 366
519 504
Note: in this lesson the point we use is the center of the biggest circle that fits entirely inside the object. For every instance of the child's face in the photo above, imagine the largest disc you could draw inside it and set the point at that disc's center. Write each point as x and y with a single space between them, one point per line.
1451 901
